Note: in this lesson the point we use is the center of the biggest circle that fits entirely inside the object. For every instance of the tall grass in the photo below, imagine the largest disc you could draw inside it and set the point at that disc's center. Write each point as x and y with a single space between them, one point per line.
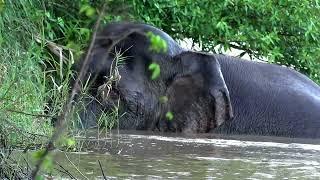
22 83
34 82
39 41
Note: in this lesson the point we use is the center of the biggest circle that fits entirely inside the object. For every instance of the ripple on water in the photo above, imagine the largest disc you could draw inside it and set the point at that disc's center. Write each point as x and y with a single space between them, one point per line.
227 143
160 157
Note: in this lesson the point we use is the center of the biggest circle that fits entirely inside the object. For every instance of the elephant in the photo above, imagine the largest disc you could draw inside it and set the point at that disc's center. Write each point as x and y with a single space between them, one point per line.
269 99
204 92
135 46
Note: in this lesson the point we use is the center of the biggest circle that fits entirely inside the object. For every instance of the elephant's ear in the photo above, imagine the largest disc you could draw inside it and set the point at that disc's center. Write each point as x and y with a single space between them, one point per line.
202 73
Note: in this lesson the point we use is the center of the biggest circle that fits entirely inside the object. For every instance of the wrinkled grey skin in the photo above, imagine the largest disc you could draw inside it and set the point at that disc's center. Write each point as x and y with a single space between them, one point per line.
206 92
138 95
270 100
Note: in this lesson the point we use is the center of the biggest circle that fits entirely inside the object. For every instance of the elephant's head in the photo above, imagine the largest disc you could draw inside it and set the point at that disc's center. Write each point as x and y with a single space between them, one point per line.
197 94
190 86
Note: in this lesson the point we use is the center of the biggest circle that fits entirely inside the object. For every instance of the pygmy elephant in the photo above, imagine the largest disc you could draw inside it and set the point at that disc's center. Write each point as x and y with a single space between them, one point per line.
201 92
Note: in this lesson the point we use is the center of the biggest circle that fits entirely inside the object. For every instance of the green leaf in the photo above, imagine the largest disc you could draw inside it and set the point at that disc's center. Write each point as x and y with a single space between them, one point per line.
48 15
163 99
38 154
39 177
67 142
90 12
60 22
85 32
157 43
155 70
169 115
2 3
48 163
84 8
70 142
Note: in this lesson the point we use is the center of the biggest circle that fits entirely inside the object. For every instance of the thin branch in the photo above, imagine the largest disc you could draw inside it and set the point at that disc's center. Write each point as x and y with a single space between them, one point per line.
28 166
28 114
239 47
52 44
104 176
65 171
61 120
75 166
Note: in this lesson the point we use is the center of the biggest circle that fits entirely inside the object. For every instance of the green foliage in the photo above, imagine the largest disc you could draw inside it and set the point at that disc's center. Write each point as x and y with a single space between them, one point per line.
157 43
169 116
285 32
2 3
163 99
69 143
40 177
22 83
155 70
30 74
87 9
48 161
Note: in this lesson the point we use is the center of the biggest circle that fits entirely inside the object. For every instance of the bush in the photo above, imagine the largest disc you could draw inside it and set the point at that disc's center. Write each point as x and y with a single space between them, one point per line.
285 32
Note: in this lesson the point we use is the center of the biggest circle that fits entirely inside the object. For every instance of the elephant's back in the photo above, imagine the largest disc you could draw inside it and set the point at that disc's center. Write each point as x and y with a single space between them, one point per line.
268 76
270 99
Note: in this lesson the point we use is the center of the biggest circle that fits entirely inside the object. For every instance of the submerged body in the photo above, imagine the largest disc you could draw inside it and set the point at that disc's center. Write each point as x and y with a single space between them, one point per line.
205 92
270 100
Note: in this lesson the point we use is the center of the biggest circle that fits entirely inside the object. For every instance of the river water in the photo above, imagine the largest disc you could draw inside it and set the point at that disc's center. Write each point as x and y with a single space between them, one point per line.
146 155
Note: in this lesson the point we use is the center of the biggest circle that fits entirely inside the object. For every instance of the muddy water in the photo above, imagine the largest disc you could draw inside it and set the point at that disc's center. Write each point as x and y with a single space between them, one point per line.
132 155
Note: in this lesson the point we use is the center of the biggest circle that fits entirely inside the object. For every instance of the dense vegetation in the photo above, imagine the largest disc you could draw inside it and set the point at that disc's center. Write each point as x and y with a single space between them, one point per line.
286 32
31 75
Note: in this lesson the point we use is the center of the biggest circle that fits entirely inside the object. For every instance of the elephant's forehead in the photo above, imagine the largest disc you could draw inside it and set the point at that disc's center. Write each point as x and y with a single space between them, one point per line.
131 81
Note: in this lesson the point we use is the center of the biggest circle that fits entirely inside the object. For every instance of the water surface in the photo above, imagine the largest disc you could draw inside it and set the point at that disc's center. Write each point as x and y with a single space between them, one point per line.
145 155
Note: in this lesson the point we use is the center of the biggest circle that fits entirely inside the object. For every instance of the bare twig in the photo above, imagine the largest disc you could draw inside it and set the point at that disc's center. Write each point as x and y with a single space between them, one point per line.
28 114
28 166
55 48
68 105
65 171
75 166
61 120
104 176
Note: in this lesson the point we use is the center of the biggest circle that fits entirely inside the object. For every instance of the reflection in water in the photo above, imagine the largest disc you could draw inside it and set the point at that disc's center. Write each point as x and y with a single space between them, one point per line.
155 156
